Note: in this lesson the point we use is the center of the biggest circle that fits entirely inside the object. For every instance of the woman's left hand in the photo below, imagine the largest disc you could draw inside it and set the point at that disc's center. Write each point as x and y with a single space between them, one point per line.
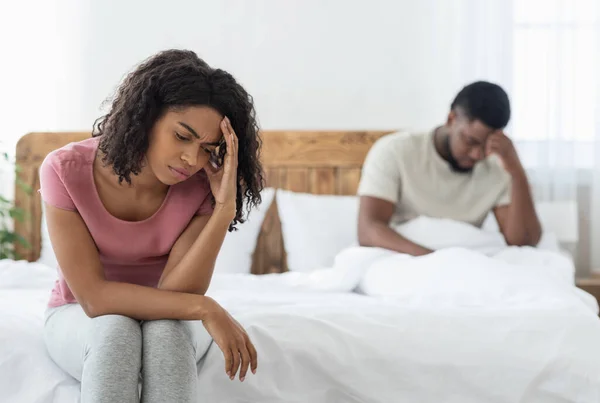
223 181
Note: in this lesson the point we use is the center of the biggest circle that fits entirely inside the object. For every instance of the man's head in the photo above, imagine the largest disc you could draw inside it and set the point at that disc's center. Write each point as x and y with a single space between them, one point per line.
479 109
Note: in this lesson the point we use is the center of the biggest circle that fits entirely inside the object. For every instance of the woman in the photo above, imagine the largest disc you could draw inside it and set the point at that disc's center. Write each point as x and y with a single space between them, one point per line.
137 215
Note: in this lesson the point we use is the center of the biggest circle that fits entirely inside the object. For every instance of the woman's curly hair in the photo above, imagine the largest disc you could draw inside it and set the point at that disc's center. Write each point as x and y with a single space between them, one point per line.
171 80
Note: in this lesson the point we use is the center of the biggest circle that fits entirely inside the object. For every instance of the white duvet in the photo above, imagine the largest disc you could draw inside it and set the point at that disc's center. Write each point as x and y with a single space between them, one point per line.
526 336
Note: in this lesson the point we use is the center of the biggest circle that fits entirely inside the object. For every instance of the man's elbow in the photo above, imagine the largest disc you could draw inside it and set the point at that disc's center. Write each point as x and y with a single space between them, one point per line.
366 234
526 239
362 238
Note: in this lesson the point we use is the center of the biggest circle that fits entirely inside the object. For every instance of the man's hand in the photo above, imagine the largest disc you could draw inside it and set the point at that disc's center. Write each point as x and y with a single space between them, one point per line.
498 143
518 221
374 230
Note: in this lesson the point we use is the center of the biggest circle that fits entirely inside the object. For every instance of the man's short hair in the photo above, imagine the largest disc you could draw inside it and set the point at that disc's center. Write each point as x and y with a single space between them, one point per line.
484 101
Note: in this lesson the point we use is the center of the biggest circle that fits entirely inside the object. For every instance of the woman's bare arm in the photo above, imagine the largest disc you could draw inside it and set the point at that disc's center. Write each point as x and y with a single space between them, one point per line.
192 258
82 269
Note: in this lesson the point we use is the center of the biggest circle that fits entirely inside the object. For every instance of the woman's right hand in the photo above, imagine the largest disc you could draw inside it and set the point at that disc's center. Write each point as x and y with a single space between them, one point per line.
232 339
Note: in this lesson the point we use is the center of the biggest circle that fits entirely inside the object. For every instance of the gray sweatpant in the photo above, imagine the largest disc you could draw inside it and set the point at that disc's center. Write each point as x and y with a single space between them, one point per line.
109 354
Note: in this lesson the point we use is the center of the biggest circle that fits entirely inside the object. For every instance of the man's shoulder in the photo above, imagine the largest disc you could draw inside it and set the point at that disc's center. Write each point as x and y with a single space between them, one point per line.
401 141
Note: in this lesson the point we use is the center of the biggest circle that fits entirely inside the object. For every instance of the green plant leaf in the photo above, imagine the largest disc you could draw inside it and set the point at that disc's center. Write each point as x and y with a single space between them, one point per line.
7 236
25 187
17 214
23 241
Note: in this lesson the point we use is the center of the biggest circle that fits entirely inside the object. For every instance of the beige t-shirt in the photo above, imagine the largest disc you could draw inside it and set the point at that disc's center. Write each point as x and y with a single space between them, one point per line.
405 169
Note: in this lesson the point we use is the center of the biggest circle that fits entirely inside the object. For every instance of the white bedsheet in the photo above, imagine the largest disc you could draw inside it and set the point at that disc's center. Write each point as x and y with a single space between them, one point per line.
319 346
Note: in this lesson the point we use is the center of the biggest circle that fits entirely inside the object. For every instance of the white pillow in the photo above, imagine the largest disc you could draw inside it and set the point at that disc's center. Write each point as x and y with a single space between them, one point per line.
238 247
316 228
441 233
236 252
47 256
559 220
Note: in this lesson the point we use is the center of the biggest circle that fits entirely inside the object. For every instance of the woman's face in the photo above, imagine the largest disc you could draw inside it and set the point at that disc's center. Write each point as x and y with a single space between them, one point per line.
181 142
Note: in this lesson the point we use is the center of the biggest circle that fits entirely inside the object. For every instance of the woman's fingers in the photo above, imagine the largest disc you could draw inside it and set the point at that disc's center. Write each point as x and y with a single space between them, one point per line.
253 356
228 355
236 360
245 355
227 134
249 346
234 150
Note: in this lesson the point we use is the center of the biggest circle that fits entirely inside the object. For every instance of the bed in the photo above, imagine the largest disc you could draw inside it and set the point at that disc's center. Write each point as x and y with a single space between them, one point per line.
329 344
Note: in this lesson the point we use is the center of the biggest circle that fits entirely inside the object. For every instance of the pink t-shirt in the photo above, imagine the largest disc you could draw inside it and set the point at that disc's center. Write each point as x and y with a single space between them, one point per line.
130 251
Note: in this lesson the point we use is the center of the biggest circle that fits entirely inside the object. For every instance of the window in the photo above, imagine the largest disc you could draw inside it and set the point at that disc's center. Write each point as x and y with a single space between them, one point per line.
555 73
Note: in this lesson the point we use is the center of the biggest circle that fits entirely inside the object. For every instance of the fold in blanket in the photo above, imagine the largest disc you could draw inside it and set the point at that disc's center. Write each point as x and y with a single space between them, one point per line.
469 268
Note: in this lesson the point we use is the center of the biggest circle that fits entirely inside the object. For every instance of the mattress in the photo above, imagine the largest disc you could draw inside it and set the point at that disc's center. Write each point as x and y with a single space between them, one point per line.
331 346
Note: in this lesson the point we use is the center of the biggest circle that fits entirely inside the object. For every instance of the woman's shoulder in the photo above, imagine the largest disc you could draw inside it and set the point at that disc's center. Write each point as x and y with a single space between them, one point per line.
71 158
63 172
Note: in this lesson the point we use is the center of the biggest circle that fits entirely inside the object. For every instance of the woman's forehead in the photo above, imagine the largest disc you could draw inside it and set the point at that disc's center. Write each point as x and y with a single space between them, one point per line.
203 123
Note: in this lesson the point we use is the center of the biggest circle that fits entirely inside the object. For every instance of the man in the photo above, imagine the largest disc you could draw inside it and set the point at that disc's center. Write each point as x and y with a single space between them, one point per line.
461 171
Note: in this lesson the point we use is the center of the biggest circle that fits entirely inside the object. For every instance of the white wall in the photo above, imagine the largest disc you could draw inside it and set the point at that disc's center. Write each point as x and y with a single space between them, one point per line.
39 72
310 64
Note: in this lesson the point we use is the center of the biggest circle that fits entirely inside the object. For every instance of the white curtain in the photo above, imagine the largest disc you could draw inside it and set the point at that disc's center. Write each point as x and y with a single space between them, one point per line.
546 54
595 187
556 51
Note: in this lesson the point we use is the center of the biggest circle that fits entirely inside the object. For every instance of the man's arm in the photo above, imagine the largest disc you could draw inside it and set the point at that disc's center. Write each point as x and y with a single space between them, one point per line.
373 228
518 221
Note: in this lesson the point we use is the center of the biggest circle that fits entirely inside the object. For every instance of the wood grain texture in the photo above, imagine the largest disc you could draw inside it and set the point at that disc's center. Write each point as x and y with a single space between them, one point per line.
347 181
31 151
322 181
320 162
297 180
335 149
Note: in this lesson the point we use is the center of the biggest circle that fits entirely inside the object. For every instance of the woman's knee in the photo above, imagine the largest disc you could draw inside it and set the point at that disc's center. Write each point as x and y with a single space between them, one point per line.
165 331
115 336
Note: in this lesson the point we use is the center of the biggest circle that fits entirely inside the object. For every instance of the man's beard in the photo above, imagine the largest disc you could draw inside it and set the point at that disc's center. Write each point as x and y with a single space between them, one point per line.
452 161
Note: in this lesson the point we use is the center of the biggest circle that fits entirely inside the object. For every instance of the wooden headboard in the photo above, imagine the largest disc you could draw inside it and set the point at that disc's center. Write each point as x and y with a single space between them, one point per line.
318 162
